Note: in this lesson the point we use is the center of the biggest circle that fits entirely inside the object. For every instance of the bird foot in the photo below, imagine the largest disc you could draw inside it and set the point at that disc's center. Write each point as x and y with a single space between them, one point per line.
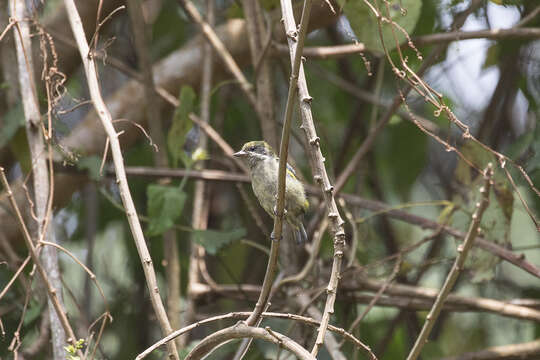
275 211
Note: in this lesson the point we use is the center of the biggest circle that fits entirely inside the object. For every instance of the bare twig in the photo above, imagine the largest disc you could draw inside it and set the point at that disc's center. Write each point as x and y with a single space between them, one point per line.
314 252
413 297
283 152
43 186
324 52
201 198
106 120
493 34
220 49
518 260
321 177
242 330
128 100
170 244
462 250
53 296
243 315
14 277
262 68
528 350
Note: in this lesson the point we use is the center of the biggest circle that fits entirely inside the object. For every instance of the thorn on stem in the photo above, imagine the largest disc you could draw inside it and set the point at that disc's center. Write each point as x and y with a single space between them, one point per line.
315 141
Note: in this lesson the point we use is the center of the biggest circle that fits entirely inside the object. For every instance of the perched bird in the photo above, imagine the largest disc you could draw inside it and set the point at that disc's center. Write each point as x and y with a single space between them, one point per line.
263 165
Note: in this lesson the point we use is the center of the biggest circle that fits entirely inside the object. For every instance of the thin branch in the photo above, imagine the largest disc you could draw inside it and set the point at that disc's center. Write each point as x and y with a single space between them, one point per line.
127 101
321 177
170 245
528 350
201 198
379 207
262 67
493 34
451 279
220 49
240 331
14 277
53 296
112 135
325 52
283 153
91 275
408 296
243 315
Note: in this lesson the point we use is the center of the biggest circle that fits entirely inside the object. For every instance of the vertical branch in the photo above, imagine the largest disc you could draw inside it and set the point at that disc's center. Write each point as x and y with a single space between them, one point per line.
283 153
262 69
38 153
121 179
170 245
320 175
201 199
462 251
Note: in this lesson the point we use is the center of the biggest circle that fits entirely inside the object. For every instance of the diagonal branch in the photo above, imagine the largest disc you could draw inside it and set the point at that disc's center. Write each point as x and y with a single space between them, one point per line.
451 279
220 49
112 135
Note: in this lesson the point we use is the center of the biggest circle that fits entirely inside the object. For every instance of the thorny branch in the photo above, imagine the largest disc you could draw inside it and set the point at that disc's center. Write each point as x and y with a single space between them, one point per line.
320 176
283 153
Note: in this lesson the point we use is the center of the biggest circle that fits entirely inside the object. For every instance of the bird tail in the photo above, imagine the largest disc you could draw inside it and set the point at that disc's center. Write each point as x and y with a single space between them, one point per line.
300 235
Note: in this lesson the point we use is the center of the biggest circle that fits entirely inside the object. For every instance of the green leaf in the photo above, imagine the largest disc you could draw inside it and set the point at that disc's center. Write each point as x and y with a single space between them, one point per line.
364 22
213 240
181 125
401 156
92 164
165 205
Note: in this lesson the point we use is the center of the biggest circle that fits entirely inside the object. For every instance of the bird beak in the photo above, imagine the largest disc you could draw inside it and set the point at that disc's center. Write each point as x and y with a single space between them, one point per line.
240 153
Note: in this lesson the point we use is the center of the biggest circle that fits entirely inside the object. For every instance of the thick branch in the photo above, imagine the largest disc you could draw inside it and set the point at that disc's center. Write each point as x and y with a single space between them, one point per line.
39 152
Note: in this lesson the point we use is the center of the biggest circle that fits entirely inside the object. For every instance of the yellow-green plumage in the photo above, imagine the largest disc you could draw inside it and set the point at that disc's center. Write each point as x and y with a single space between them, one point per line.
264 166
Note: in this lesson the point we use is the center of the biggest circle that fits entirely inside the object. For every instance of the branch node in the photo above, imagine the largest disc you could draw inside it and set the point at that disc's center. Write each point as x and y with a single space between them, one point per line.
292 35
307 100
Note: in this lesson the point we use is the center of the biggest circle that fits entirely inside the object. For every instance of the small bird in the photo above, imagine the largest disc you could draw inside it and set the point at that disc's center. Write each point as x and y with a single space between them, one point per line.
263 164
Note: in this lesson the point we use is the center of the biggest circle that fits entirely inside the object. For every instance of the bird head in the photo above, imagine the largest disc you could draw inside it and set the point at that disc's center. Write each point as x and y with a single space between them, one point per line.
255 150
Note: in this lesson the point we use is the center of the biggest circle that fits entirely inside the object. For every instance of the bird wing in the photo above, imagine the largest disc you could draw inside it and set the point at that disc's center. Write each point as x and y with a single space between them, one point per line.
290 171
